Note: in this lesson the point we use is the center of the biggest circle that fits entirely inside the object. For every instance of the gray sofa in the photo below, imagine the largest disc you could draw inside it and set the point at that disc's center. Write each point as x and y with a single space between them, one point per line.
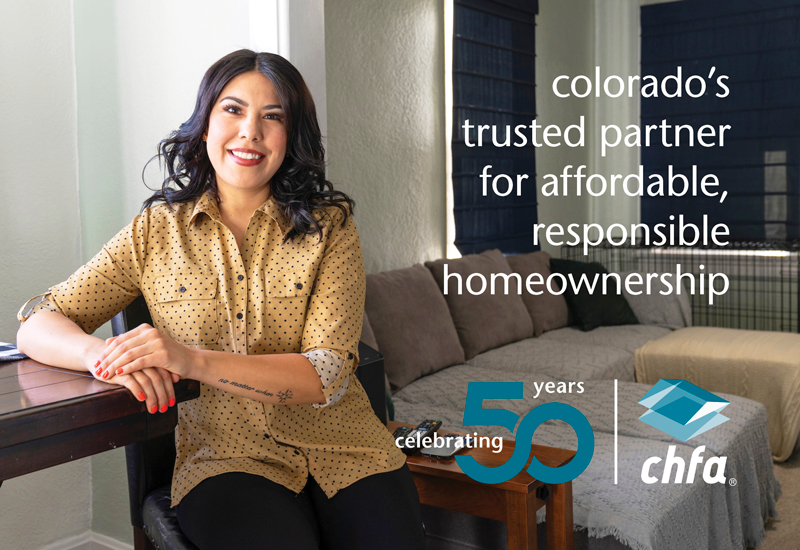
434 345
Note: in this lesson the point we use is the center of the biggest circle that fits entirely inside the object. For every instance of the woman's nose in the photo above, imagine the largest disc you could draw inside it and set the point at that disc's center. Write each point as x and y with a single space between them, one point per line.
250 129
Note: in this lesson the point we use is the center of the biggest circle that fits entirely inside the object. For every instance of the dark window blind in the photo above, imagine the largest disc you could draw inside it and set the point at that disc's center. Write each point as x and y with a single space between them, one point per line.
757 44
493 84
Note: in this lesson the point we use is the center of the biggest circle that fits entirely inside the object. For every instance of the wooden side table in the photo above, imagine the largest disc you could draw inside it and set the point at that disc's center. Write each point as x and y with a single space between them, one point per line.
441 483
50 415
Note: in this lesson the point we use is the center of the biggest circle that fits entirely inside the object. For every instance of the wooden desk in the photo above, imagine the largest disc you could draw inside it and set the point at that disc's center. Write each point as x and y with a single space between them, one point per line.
50 415
441 483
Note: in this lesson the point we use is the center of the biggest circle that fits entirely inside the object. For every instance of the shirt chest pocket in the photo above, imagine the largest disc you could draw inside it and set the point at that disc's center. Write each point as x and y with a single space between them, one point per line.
287 300
187 302
287 284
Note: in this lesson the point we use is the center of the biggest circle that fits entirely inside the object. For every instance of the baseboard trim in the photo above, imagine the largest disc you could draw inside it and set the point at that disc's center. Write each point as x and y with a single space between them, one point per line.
88 540
103 542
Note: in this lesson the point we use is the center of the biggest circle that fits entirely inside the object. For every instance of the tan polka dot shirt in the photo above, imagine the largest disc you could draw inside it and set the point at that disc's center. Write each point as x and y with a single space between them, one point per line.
305 296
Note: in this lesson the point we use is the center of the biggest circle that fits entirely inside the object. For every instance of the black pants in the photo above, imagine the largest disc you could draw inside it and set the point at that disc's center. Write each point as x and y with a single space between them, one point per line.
249 512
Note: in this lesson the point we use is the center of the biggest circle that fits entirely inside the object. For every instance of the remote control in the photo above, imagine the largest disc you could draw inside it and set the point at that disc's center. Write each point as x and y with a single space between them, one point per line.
424 429
400 435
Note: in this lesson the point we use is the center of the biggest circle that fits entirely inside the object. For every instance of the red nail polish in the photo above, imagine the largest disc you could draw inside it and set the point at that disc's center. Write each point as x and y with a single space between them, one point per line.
97 364
142 396
172 402
164 409
105 375
98 371
119 371
153 409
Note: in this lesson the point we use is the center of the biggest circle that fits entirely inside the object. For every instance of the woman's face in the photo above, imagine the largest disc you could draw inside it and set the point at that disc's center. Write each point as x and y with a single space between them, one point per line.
246 134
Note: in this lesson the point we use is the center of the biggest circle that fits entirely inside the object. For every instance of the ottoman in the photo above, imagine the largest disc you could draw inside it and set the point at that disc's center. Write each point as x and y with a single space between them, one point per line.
760 365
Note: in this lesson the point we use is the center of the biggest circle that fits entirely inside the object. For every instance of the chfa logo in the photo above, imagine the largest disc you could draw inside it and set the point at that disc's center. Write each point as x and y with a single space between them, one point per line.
683 410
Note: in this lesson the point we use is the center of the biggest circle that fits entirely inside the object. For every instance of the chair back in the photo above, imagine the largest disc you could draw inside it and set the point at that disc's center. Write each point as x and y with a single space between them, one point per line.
150 463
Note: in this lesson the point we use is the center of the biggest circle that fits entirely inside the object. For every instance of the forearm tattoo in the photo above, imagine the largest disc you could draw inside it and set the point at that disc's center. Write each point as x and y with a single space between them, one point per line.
246 387
283 396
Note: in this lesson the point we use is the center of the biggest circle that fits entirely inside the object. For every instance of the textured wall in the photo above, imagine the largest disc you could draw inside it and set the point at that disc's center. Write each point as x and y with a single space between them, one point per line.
385 91
386 143
39 232
564 45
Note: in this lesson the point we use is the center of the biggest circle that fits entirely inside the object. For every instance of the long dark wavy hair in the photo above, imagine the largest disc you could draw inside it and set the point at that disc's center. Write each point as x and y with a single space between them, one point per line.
299 186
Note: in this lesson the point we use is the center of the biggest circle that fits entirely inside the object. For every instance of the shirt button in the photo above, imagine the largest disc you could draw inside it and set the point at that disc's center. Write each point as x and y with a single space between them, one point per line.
299 286
240 277
182 289
296 452
239 315
349 355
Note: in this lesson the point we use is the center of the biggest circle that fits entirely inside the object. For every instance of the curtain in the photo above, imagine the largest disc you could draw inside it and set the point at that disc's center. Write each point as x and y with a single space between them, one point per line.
493 84
757 44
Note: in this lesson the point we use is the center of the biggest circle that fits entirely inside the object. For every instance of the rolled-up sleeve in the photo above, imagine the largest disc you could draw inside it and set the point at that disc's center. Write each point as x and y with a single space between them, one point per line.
336 307
328 366
104 286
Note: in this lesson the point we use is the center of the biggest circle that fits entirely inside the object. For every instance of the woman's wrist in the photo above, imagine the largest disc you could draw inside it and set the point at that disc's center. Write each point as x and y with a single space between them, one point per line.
92 352
197 364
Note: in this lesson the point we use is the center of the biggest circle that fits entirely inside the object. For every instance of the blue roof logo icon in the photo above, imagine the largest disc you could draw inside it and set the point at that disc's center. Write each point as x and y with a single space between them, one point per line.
681 409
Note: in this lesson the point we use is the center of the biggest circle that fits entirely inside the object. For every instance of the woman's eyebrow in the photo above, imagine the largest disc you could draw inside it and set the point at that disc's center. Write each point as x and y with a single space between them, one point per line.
244 103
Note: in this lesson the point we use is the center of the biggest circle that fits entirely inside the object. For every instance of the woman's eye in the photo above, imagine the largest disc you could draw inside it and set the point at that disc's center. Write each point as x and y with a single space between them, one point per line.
231 109
273 116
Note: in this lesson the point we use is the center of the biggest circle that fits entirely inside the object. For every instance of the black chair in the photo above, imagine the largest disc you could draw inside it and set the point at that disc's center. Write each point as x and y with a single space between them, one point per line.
150 463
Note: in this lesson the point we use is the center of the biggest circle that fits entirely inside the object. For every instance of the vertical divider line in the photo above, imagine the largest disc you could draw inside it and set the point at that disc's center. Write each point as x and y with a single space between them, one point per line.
615 430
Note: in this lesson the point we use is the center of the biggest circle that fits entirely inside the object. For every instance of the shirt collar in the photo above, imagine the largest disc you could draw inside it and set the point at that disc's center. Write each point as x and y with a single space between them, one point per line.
207 204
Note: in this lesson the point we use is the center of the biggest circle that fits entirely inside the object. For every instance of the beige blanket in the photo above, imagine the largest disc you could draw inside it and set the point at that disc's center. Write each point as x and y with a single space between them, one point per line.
763 366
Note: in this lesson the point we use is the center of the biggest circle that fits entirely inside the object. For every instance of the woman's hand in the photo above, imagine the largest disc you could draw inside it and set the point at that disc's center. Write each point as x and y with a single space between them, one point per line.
151 384
142 348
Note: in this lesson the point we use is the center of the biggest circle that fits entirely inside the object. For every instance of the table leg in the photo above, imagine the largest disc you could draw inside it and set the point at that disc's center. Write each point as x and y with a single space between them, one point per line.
521 520
560 529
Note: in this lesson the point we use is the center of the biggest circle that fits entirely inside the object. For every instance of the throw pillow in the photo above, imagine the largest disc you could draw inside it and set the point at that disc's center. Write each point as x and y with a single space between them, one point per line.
671 310
548 311
592 310
484 321
411 323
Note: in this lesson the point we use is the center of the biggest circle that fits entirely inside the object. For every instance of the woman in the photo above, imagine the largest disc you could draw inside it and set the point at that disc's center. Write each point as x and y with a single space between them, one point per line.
251 267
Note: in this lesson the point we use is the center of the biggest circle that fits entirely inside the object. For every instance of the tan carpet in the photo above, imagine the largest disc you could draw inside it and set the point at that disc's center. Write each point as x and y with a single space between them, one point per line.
784 533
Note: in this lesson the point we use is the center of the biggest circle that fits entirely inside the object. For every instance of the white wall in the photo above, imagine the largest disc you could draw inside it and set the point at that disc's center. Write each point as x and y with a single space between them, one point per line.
39 231
564 45
617 31
386 141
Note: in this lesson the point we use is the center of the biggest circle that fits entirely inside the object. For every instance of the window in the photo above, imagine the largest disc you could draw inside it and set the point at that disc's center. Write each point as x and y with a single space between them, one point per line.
757 44
493 70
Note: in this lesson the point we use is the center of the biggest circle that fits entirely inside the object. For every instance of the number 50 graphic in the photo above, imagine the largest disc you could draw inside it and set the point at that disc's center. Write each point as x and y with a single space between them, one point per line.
476 415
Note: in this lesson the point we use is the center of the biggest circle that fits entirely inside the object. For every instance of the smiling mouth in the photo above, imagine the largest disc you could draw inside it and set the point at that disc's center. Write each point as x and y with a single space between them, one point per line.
246 156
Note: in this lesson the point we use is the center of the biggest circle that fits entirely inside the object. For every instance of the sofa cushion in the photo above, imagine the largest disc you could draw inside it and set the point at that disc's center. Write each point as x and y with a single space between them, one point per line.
562 360
411 324
593 309
548 311
621 337
483 321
